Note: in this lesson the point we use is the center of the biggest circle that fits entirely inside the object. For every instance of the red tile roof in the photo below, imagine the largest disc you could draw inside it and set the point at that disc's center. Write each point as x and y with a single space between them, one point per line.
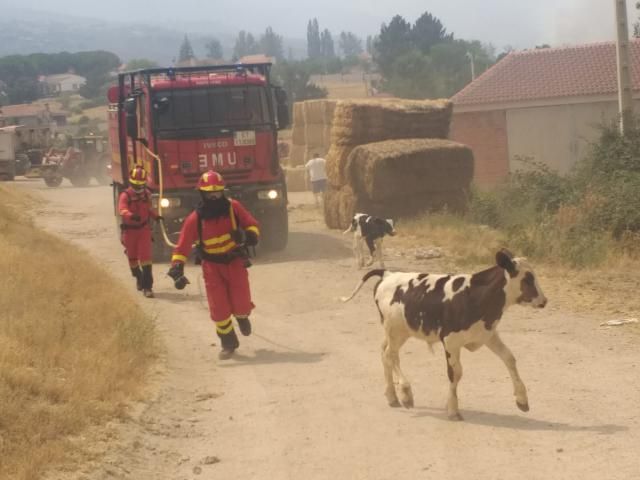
549 73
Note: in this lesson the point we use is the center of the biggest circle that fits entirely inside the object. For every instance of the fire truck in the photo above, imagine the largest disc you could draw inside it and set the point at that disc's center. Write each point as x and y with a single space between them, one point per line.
178 122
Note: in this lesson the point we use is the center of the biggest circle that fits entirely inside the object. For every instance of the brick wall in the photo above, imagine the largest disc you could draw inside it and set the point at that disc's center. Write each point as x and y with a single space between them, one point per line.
486 134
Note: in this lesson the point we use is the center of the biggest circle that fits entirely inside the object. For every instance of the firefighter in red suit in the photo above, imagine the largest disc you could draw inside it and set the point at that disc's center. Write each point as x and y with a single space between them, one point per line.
221 229
134 205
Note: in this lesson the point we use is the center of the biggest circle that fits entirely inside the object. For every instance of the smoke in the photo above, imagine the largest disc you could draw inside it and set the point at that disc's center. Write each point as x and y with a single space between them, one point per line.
583 21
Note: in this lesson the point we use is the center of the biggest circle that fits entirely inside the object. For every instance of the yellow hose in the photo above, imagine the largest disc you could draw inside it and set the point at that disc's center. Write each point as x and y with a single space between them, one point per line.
163 229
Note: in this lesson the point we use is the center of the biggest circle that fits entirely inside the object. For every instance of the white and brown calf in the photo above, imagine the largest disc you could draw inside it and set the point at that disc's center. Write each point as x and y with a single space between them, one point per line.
456 310
369 230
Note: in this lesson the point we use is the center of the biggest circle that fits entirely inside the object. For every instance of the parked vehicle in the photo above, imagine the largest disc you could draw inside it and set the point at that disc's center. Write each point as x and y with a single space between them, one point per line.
87 158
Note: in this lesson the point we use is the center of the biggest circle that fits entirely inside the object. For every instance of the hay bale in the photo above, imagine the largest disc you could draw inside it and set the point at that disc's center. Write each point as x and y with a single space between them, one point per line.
357 122
337 160
340 204
296 179
403 168
298 128
298 155
331 207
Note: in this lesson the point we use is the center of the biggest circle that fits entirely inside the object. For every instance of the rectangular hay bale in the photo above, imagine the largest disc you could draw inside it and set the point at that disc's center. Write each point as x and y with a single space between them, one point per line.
399 168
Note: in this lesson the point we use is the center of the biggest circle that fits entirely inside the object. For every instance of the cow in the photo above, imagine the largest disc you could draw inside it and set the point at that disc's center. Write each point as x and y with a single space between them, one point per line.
370 230
458 311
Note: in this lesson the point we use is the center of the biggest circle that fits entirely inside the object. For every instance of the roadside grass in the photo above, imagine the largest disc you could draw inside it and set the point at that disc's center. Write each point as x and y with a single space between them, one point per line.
74 346
608 289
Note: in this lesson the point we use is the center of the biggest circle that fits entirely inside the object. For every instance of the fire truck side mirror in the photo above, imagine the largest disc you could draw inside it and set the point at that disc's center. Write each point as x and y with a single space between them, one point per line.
282 108
131 117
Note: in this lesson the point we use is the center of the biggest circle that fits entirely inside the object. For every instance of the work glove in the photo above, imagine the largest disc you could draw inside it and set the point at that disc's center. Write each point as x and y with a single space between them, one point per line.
252 238
239 236
135 217
176 272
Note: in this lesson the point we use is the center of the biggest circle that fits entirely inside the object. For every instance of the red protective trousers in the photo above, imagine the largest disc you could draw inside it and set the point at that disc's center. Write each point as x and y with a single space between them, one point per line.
228 290
137 244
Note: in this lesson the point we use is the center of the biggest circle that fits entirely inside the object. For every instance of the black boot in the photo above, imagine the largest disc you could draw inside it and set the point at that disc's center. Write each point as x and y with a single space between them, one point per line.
137 274
245 325
147 281
228 339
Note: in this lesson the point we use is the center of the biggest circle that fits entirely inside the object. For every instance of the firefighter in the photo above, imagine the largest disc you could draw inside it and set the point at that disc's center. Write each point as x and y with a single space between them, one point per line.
135 209
222 229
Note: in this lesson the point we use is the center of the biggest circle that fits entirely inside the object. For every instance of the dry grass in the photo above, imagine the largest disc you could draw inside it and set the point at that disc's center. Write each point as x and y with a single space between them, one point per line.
74 346
609 291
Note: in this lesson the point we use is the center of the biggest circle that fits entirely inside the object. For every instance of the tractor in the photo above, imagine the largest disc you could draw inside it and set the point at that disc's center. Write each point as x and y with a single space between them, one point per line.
87 157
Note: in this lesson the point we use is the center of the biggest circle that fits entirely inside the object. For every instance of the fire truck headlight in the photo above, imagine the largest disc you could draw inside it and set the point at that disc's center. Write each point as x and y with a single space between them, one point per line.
170 202
268 194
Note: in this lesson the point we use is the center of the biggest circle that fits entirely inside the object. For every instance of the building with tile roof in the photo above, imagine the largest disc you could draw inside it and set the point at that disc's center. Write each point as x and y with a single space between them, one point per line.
544 104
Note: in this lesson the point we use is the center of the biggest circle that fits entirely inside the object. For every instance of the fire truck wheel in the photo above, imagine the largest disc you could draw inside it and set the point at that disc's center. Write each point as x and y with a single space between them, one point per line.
275 230
53 181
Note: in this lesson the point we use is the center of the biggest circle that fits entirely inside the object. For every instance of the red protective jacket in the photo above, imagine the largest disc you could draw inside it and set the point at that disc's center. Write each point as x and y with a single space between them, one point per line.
216 233
132 203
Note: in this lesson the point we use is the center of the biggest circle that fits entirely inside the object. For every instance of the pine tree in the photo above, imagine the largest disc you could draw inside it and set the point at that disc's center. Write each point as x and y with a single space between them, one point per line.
186 51
327 48
313 39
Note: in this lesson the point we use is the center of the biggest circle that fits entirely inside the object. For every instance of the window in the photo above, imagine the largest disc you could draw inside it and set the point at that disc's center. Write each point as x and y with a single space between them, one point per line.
182 109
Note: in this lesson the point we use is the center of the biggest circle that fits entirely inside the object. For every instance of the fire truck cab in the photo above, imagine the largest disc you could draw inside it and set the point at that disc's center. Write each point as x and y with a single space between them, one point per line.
180 122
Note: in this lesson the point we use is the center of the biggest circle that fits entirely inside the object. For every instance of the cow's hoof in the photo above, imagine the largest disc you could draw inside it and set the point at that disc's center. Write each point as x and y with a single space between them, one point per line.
523 406
456 417
407 397
407 403
394 403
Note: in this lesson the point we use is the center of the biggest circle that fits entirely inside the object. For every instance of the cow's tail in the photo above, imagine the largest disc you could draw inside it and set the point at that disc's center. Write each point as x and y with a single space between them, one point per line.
373 273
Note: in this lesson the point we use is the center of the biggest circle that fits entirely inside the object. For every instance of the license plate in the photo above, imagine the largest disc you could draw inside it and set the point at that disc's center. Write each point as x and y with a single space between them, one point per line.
244 138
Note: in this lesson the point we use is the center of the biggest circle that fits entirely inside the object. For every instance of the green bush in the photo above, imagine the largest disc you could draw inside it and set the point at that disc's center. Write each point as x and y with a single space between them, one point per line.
576 219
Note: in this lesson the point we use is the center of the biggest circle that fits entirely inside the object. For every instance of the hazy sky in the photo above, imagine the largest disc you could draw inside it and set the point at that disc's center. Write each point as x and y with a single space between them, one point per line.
519 23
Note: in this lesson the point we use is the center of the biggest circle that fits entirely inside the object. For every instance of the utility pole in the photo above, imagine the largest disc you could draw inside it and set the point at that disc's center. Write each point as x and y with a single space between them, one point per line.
625 101
473 65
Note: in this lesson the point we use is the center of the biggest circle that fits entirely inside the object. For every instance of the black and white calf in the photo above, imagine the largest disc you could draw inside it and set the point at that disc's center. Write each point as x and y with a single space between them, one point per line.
456 310
370 230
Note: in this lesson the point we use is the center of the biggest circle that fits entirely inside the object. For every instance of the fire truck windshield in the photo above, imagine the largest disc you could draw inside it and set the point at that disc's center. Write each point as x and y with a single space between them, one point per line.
185 112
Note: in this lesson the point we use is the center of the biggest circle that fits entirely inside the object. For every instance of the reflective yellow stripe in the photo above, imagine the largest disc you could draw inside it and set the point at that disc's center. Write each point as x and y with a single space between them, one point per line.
224 327
214 240
137 182
212 188
226 248
178 258
254 229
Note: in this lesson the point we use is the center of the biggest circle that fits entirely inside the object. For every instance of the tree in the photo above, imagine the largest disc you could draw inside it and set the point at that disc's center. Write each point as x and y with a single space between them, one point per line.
271 44
350 45
314 48
186 51
295 79
245 45
140 63
394 41
427 32
327 48
214 49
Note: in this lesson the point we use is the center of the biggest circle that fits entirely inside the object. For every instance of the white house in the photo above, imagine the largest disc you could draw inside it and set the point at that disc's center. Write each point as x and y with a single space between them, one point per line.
63 83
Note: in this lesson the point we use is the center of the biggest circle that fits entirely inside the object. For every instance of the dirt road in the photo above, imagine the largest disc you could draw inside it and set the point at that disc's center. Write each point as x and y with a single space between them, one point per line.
303 399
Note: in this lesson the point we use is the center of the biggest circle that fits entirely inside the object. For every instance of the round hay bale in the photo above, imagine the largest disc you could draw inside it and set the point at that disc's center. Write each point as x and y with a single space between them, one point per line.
296 179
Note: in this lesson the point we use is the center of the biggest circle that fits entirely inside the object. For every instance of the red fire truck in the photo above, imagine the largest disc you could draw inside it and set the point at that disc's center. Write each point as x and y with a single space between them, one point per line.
180 122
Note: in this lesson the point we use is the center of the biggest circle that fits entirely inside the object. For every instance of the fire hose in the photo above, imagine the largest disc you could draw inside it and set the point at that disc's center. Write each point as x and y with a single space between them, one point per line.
163 228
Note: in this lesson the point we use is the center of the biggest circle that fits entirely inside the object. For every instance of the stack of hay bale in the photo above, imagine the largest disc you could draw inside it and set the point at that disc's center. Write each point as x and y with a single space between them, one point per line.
390 158
310 134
